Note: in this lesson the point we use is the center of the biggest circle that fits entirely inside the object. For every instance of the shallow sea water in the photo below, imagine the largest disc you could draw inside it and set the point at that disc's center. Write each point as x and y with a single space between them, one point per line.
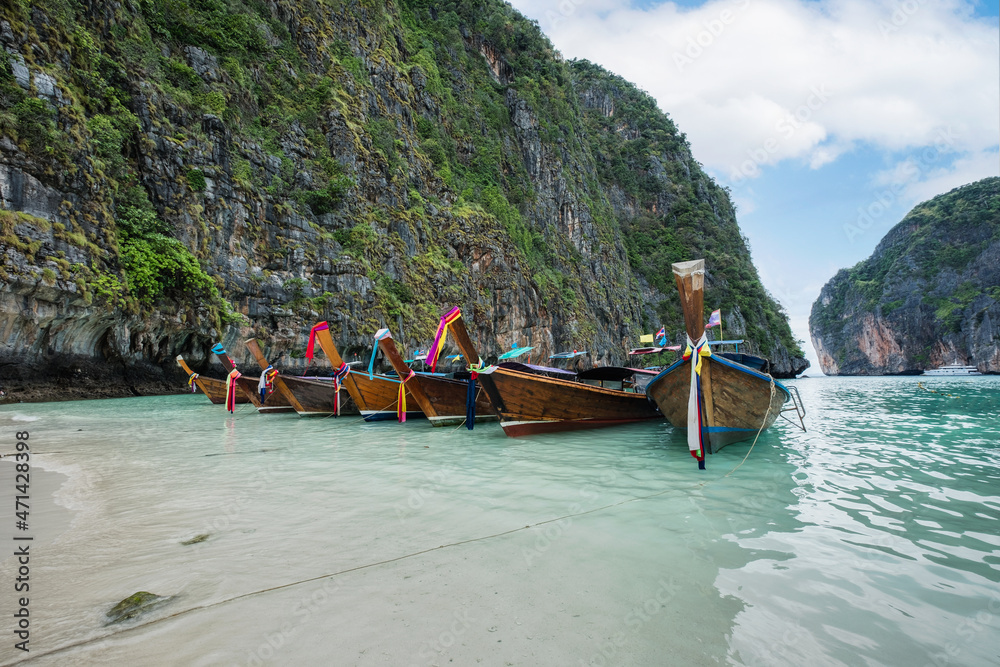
872 539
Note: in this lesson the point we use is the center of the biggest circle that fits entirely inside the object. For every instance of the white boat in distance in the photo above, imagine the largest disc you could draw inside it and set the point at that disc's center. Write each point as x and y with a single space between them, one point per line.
953 370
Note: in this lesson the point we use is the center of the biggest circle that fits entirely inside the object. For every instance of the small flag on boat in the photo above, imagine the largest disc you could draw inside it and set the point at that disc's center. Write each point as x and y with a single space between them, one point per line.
715 319
646 338
662 336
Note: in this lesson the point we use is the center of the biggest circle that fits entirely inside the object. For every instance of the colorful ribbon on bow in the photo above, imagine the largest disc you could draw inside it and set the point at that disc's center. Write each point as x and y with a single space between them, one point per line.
441 336
321 326
338 378
383 334
266 383
191 381
481 369
697 353
231 389
401 397
379 335
221 351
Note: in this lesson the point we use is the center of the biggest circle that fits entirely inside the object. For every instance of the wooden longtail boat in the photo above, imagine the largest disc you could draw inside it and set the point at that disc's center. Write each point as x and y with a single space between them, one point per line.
444 400
717 400
377 397
273 402
307 396
214 389
528 403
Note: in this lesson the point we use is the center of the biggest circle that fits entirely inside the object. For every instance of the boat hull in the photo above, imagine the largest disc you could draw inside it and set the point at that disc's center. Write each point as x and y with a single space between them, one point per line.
952 371
376 397
742 401
389 415
215 390
447 398
529 404
274 403
318 398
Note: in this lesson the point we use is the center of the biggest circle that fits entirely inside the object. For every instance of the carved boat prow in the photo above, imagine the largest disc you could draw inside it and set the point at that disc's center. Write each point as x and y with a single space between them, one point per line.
717 400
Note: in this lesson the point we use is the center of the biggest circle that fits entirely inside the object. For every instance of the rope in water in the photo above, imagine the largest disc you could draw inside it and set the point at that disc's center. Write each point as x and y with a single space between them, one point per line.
760 430
357 568
421 552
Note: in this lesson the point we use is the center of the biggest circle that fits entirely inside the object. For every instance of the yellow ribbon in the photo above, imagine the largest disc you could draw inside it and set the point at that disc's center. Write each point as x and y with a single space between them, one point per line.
704 351
401 397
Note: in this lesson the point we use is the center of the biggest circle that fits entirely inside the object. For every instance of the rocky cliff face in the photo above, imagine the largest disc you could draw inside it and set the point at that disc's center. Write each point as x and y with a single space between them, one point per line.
929 294
175 173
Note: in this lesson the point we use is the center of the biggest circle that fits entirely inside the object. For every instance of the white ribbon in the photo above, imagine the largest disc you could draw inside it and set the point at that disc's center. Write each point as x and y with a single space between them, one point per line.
694 432
262 383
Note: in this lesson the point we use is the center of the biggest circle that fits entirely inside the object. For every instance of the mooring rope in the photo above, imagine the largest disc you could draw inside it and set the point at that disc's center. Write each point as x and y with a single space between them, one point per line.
422 552
760 430
357 568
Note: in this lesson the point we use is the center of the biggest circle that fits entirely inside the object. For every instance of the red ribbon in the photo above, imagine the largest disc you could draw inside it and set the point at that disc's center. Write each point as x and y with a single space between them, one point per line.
231 389
322 326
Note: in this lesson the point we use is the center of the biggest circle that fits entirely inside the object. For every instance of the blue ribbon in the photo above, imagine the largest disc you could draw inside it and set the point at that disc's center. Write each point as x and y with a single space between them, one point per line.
470 405
371 362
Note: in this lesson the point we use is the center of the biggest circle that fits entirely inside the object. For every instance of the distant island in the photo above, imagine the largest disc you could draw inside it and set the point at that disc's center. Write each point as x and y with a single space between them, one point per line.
929 295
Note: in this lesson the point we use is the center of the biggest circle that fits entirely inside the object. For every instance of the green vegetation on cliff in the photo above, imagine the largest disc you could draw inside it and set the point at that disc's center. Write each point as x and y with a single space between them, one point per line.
934 281
683 214
361 162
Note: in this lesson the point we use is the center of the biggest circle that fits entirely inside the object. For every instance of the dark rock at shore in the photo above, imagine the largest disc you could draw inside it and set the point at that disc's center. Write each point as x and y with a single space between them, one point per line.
77 377
134 605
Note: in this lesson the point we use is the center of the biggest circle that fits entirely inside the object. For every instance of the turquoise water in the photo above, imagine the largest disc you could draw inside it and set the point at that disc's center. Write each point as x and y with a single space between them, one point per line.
872 539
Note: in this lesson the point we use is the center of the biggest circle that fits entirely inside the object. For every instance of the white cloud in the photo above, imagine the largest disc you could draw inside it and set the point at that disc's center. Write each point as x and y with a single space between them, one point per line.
919 179
754 82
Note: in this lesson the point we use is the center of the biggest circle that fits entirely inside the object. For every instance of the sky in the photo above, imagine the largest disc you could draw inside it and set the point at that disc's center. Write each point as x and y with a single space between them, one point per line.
827 119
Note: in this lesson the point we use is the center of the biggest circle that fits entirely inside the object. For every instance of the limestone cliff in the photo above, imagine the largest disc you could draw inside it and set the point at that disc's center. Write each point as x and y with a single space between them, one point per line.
176 173
929 295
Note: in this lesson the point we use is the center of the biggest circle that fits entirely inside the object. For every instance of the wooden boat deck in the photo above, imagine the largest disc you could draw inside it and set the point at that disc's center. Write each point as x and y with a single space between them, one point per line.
534 404
529 403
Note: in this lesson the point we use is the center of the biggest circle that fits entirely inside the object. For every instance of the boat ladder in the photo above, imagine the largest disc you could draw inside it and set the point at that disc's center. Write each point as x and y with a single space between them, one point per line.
797 406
